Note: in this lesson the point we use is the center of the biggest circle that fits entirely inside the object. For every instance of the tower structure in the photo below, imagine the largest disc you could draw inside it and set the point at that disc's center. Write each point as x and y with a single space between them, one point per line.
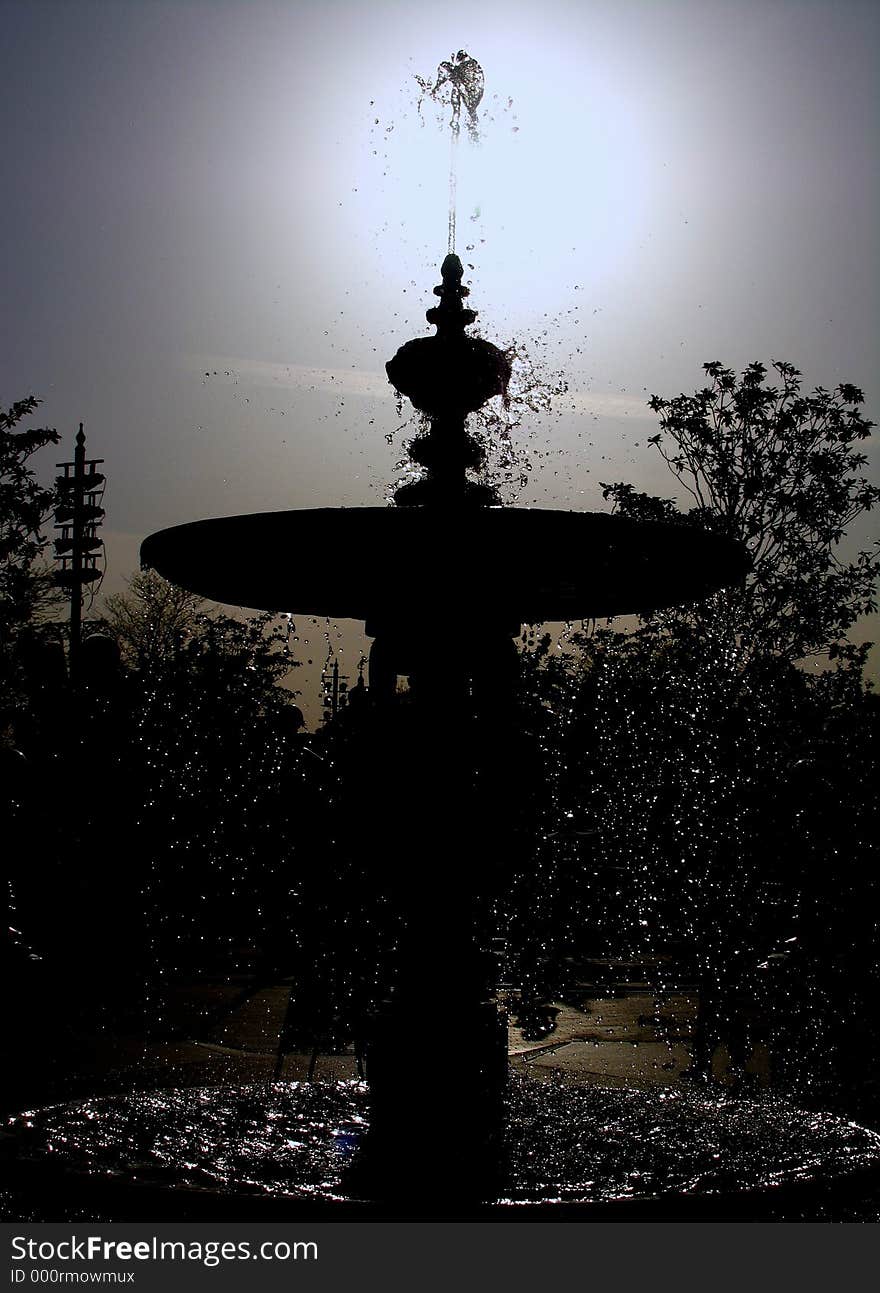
78 516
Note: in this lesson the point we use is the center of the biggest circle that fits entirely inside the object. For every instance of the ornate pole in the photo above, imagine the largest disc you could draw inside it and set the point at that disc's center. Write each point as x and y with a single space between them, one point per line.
78 516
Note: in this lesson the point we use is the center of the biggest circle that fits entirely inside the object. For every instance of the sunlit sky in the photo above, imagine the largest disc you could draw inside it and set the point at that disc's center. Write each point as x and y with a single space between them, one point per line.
248 188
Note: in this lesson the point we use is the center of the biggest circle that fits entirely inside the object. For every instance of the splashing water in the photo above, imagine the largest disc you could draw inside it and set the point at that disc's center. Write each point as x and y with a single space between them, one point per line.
566 1142
459 83
502 425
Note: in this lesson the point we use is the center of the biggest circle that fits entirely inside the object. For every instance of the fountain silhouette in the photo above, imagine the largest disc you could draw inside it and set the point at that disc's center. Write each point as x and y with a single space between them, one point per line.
446 552
432 795
443 580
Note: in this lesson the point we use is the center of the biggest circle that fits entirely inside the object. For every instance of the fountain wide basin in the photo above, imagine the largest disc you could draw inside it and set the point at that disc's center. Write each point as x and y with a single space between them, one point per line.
515 565
275 1150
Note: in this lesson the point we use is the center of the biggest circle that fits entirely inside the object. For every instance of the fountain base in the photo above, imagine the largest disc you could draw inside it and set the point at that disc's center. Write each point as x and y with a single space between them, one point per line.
283 1150
466 1157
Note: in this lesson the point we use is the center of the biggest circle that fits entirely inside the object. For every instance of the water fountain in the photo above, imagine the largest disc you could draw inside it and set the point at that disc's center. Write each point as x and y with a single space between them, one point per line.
440 1143
428 561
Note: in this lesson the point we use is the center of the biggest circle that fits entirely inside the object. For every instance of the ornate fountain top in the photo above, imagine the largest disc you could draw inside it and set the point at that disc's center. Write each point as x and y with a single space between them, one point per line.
446 377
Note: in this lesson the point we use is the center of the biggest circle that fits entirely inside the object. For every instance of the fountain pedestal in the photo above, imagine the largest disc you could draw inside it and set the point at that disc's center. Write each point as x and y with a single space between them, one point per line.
437 1115
442 837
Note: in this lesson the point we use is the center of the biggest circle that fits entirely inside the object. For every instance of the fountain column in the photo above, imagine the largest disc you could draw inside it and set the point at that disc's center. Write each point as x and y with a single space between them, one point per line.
437 1059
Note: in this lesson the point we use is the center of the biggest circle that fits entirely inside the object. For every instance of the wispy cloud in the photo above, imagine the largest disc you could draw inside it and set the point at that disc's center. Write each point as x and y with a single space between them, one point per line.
297 377
375 385
596 404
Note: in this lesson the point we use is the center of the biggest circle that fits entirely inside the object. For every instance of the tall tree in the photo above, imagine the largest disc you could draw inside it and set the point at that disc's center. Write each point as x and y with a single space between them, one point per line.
24 507
779 469
711 798
725 739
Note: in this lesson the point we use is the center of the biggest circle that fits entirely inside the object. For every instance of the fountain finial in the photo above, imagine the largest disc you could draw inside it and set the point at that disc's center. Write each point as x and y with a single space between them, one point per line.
451 315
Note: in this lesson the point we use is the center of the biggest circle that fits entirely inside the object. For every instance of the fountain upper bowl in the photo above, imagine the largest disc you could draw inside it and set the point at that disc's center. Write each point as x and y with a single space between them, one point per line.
522 565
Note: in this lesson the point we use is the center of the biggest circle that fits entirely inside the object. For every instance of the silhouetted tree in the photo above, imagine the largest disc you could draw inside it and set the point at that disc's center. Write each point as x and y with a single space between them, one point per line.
779 470
152 620
697 750
172 785
25 588
212 748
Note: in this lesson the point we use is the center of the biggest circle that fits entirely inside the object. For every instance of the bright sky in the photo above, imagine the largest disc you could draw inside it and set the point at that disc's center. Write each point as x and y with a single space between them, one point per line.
247 187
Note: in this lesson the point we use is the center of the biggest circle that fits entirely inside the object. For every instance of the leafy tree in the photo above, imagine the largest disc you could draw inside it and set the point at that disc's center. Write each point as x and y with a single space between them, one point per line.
779 470
152 621
24 506
193 661
711 799
207 741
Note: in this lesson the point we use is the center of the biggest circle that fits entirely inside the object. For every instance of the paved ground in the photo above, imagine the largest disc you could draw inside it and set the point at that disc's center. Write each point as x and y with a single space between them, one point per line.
230 1033
218 1031
608 1041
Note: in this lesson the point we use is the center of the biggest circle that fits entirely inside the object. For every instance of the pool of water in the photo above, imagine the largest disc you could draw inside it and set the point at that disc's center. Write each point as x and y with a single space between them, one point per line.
566 1143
